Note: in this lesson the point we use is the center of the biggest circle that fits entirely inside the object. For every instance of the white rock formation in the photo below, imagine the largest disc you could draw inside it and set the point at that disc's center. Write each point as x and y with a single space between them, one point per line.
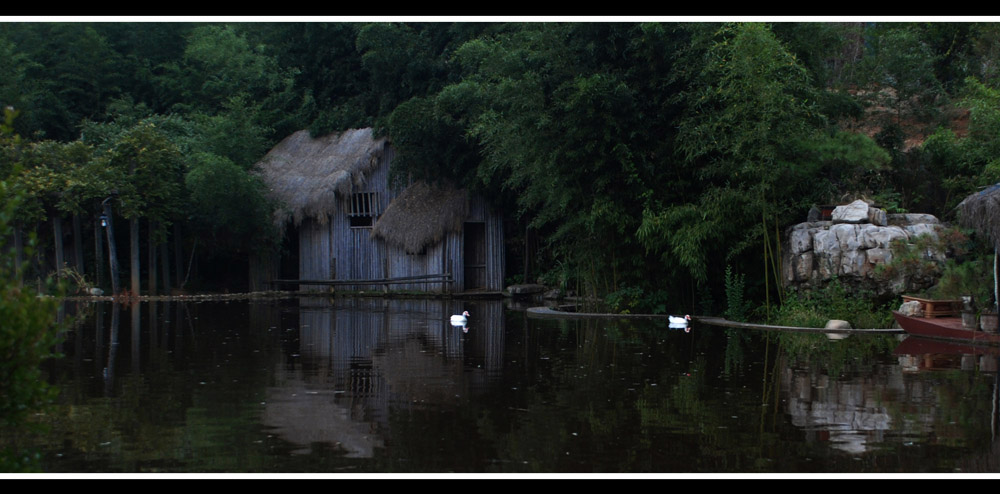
851 246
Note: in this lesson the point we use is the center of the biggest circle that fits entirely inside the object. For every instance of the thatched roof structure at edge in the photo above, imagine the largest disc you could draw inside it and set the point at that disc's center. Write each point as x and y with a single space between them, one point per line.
422 215
306 175
981 212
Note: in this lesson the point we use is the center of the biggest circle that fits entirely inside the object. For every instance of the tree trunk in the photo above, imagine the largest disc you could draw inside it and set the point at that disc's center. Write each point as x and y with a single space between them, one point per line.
178 256
152 258
134 255
165 265
78 245
112 249
18 254
98 255
58 234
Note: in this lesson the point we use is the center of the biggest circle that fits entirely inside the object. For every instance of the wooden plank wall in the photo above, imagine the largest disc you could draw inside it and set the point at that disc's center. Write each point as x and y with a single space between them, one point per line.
314 253
400 264
357 255
495 258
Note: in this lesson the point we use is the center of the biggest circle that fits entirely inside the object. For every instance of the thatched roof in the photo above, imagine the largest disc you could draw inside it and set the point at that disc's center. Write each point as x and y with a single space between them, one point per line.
981 212
421 215
306 175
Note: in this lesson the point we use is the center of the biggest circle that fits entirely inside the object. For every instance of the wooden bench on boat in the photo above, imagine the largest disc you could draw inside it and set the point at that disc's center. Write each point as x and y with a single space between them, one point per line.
937 308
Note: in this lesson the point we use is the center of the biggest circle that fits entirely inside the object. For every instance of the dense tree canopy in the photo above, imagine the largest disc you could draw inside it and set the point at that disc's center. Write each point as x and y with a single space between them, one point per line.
636 152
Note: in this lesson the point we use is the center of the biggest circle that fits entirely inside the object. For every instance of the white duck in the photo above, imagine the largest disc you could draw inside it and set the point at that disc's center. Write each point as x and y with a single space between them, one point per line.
461 320
679 320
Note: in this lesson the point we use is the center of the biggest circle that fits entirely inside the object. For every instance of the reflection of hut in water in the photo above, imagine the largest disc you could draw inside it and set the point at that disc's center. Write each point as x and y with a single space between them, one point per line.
351 223
374 354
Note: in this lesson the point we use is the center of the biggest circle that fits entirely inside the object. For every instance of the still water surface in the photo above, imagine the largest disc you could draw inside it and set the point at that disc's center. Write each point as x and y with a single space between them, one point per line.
368 385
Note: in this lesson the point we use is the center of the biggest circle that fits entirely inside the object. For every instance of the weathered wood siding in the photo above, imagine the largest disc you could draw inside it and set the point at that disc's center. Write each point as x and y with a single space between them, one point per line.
356 254
494 242
337 251
314 252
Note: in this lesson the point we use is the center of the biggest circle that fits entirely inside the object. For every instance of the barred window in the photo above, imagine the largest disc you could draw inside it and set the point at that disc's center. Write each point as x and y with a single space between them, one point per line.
364 209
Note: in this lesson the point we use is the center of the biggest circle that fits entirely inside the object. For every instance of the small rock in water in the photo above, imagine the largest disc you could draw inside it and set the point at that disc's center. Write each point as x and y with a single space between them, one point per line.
837 324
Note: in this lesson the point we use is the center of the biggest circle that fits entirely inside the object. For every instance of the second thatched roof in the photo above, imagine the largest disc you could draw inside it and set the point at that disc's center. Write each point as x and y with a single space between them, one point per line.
422 215
981 212
306 175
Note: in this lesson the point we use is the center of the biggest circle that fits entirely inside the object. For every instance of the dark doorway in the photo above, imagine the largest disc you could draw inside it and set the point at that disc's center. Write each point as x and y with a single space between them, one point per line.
475 256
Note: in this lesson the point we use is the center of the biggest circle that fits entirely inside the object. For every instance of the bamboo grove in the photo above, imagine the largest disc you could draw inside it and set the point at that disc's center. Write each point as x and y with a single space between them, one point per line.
637 162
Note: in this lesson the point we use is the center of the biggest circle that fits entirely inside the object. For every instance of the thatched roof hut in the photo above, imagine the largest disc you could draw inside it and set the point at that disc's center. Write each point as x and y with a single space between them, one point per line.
307 175
350 223
981 212
422 215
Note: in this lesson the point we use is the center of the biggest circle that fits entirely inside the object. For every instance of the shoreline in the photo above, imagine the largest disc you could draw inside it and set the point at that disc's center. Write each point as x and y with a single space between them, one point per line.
269 294
539 311
549 312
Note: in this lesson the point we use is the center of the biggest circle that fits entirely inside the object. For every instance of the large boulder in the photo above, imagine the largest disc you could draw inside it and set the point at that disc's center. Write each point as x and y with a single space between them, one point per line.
859 212
851 247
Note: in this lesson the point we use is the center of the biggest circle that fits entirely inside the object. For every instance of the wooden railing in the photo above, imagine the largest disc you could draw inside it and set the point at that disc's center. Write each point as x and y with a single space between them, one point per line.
385 282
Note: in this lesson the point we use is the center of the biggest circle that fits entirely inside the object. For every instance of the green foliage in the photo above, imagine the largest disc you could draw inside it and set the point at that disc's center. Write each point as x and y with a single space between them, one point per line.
647 155
636 300
56 177
556 133
227 204
925 256
964 164
971 277
149 166
813 308
899 70
399 60
27 338
817 351
68 73
744 123
235 132
737 307
223 65
967 271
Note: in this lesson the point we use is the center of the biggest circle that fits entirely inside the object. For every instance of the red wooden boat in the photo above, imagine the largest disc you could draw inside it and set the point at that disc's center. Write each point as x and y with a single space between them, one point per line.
947 328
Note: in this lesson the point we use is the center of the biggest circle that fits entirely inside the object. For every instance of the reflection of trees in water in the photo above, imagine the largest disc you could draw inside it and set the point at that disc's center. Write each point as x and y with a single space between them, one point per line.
394 384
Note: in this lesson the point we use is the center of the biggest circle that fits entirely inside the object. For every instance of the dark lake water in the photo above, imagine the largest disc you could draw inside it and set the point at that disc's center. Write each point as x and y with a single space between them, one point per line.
370 385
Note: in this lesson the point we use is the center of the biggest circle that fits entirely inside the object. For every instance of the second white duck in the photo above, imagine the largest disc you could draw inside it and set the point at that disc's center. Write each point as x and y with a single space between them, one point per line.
679 319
